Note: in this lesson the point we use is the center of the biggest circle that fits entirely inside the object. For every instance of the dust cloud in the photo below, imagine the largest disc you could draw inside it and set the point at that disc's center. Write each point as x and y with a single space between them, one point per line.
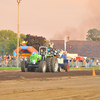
89 21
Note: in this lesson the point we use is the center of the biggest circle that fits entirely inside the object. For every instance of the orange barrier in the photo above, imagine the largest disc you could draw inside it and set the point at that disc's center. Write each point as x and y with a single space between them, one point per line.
68 68
93 74
79 67
99 67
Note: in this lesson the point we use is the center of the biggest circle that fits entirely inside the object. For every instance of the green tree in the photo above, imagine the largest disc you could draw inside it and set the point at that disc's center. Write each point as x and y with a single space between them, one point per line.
22 37
2 49
10 47
8 41
93 35
35 41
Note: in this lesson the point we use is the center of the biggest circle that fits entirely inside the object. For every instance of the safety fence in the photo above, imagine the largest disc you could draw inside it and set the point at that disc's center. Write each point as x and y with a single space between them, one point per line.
10 63
13 63
82 64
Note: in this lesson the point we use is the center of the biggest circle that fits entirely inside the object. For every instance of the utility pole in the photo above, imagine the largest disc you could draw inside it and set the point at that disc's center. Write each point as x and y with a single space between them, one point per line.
18 1
65 44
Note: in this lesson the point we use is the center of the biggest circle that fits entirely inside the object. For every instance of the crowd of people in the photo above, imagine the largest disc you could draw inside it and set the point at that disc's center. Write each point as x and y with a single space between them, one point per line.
86 62
73 62
10 60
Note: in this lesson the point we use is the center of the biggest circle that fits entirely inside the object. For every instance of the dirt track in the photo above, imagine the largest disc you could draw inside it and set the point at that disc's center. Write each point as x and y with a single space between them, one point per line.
16 74
74 85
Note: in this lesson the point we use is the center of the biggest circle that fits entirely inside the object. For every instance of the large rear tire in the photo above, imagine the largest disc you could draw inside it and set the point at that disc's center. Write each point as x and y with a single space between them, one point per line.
42 66
66 67
23 66
48 61
54 64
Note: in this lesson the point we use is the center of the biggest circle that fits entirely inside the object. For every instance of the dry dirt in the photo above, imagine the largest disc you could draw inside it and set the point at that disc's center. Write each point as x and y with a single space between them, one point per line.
50 88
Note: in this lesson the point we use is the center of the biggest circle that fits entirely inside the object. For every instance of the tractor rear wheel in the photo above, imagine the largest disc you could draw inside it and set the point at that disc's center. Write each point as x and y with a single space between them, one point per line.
48 61
42 66
54 64
66 67
23 66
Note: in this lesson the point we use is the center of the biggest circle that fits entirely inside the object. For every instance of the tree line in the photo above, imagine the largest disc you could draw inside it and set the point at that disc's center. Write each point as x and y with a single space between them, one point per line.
93 35
8 40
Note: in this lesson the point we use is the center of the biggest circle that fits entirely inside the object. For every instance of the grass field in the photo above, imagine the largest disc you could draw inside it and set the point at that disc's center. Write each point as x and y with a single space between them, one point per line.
95 67
15 68
9 68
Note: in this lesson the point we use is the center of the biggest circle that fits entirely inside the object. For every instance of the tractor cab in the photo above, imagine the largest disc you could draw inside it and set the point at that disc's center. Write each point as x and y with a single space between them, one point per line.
43 50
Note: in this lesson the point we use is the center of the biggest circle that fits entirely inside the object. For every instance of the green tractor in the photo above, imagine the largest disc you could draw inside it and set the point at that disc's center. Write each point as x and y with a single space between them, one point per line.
42 62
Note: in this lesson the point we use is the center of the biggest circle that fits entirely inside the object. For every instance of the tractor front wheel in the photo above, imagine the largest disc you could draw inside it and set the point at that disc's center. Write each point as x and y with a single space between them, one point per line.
59 69
42 66
66 67
23 66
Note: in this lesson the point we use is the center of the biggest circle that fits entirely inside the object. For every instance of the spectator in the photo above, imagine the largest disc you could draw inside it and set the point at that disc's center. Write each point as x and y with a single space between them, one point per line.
25 58
87 62
0 61
0 57
77 63
97 61
8 57
91 61
84 62
81 62
5 59
74 62
14 58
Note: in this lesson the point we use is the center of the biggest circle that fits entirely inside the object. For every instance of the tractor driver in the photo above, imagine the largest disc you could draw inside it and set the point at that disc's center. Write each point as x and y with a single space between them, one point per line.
63 55
43 54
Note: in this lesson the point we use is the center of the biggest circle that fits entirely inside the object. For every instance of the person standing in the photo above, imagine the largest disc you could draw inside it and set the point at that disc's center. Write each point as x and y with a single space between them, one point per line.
87 62
74 62
97 61
5 59
63 55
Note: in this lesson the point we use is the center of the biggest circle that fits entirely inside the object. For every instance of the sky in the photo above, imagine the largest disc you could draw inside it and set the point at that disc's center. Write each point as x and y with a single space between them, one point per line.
52 19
